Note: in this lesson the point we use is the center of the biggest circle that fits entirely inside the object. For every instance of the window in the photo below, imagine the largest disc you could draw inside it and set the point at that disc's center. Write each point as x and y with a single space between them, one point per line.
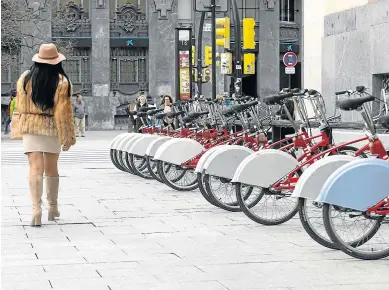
78 68
248 8
128 65
287 10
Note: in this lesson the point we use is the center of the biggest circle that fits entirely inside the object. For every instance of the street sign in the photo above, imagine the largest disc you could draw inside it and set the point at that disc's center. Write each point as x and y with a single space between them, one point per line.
290 59
290 70
205 5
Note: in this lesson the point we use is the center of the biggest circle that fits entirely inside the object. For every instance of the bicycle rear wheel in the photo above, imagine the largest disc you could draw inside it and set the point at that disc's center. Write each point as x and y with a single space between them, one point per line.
357 234
176 177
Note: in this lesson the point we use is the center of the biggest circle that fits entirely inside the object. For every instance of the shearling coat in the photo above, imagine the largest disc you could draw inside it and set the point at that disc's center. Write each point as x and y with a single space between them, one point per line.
57 121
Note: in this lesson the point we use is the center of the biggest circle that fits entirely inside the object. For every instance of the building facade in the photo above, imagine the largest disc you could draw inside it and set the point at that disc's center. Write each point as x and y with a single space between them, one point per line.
347 45
123 47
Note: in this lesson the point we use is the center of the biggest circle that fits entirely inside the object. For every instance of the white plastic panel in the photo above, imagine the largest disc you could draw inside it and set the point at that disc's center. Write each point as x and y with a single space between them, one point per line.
313 178
265 167
122 142
206 155
224 162
178 151
115 140
154 145
131 141
140 146
357 185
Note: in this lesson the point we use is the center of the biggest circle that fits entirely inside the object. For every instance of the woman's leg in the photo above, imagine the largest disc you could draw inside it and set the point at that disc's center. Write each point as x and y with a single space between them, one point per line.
35 181
52 184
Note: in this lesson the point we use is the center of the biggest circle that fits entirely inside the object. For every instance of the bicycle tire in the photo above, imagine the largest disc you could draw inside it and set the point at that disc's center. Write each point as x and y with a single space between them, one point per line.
347 248
204 193
154 174
259 220
140 171
172 183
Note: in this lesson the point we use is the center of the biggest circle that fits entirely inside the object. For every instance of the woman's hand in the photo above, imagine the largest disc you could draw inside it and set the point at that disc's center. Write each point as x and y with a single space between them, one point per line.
65 147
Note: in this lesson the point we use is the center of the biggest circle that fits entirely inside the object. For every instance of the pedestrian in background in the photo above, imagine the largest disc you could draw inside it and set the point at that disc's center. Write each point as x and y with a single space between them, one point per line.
131 118
79 116
10 111
46 123
142 103
167 103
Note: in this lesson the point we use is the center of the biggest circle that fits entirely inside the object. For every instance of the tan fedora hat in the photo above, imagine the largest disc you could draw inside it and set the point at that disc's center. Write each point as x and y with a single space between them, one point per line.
48 54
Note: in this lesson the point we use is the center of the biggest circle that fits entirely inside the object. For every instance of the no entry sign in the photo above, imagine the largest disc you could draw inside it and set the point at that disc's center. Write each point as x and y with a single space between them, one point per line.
290 59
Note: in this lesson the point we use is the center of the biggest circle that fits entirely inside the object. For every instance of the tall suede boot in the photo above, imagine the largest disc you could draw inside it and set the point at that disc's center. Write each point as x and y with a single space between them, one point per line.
52 187
36 191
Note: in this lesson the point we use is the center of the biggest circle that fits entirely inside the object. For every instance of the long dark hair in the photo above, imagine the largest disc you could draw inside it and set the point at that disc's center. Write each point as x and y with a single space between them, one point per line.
44 81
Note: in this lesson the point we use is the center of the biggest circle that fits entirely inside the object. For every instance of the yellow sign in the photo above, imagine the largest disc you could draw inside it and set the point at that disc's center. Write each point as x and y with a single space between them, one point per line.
249 64
248 33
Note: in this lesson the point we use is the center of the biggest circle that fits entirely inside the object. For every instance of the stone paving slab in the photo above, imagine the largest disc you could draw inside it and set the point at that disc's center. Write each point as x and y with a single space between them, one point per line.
118 231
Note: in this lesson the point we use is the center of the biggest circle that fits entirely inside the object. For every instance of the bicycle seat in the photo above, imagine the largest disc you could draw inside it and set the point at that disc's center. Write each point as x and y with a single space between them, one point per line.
142 114
242 107
160 116
360 89
384 121
175 114
153 112
196 115
353 104
272 100
145 109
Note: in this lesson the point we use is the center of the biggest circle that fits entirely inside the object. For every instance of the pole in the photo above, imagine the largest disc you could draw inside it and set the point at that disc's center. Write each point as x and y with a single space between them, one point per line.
213 7
290 82
238 50
199 55
177 72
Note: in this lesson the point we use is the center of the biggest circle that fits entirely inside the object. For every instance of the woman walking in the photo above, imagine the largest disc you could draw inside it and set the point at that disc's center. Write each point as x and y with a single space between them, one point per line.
46 123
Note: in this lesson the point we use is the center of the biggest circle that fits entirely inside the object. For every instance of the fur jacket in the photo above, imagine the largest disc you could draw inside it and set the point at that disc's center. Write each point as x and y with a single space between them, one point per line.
57 121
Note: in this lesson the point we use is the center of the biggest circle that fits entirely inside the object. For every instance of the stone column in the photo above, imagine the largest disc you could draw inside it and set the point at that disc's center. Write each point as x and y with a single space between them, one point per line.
162 19
40 30
268 64
101 108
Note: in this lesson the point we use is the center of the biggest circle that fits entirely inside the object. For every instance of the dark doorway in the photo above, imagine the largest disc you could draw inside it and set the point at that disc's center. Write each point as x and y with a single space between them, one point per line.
295 78
249 84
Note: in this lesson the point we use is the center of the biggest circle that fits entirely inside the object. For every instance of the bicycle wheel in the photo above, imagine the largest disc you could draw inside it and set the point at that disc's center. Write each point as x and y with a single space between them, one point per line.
311 213
153 168
272 208
357 234
311 217
203 191
222 192
138 163
178 178
114 160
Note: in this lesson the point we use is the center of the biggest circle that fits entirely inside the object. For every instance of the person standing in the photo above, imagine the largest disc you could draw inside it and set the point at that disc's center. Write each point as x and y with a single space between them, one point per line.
167 108
79 116
142 103
46 123
10 111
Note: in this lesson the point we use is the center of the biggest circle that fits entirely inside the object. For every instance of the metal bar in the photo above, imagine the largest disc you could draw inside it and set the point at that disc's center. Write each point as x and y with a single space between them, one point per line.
199 54
177 97
238 50
213 7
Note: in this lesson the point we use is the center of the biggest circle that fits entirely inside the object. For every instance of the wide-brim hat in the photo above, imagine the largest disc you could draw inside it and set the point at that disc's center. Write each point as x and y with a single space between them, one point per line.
48 54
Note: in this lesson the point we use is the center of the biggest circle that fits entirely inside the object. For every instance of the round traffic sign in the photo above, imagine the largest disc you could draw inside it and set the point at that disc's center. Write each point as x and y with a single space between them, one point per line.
290 59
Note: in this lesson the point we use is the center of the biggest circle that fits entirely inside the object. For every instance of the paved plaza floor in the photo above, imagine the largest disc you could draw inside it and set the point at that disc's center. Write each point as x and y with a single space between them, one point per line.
118 231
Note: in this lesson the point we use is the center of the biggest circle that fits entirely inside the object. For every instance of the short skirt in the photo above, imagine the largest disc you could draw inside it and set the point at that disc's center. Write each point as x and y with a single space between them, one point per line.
41 143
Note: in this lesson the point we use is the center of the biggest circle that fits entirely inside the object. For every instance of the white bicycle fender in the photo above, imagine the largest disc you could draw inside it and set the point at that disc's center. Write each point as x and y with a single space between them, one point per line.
122 142
140 146
115 140
223 162
314 177
358 185
178 151
206 155
265 167
154 145
131 141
